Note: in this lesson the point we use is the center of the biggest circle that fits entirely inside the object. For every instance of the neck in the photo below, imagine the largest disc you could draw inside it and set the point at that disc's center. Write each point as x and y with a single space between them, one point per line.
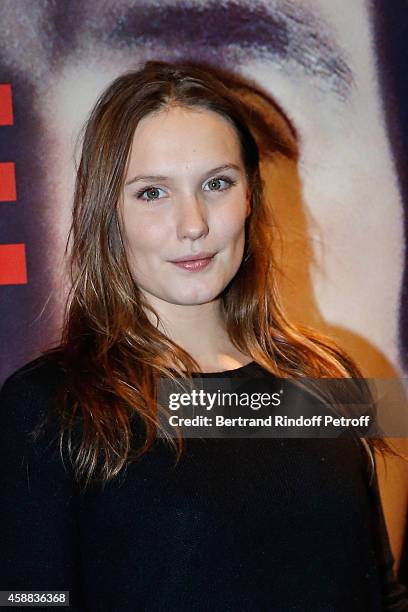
200 330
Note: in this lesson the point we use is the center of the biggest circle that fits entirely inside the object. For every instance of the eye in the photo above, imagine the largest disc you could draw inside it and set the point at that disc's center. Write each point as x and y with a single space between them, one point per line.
215 183
152 194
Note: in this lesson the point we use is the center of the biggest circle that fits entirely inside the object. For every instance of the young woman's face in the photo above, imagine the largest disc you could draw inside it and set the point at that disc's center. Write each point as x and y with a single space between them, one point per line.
185 196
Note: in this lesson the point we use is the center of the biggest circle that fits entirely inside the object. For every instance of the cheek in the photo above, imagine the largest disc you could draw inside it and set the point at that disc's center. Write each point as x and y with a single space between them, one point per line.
231 226
143 236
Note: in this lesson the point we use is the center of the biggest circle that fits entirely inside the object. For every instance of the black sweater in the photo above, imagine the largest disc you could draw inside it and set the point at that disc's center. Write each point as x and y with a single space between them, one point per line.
238 525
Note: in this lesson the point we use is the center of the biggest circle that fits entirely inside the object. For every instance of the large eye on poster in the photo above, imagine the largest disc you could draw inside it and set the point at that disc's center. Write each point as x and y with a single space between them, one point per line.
254 224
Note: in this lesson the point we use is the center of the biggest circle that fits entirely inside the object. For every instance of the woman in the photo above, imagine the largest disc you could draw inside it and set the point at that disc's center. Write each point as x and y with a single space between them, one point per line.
173 277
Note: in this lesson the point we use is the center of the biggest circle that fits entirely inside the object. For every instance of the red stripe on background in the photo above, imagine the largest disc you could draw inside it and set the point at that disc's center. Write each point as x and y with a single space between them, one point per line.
7 182
13 268
6 105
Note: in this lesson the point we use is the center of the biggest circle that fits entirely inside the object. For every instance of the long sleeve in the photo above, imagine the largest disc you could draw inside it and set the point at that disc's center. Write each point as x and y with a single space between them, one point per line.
38 531
150 540
395 595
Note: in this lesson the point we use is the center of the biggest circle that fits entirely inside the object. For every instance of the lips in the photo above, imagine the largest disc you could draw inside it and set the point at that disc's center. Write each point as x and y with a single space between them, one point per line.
190 258
194 265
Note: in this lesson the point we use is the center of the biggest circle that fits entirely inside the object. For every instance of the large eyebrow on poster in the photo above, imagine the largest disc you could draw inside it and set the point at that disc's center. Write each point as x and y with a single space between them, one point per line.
284 32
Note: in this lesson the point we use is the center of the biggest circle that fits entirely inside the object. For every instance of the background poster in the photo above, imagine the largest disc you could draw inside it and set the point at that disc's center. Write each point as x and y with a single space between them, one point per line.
335 70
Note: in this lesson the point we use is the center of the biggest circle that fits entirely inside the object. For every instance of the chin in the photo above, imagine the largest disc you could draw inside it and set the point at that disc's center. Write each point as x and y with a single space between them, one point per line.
191 298
194 301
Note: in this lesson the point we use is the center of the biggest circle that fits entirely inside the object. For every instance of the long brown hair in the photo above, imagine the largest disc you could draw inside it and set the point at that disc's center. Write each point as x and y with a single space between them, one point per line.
111 352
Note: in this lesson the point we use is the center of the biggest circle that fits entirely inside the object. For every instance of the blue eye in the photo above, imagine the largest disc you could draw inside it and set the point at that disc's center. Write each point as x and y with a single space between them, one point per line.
152 194
219 183
215 183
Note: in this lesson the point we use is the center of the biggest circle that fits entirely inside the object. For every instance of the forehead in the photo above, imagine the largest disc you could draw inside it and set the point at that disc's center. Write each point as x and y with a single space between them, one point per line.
177 132
174 115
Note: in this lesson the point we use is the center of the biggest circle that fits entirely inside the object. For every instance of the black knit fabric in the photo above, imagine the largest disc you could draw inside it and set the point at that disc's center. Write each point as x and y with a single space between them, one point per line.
237 525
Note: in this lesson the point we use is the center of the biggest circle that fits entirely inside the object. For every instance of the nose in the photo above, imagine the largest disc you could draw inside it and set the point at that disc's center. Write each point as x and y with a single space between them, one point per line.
192 219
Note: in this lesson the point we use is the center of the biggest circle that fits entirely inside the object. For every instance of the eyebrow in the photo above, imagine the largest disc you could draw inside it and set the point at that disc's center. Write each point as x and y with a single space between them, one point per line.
158 177
235 31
